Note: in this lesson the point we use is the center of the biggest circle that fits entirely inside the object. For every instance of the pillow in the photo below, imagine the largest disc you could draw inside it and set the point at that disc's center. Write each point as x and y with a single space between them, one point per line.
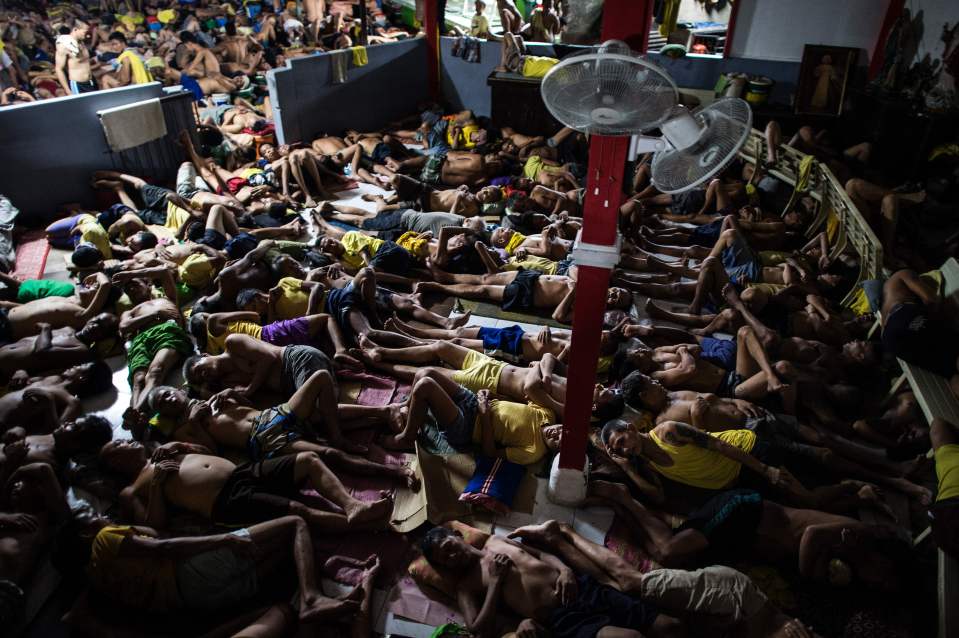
426 575
494 484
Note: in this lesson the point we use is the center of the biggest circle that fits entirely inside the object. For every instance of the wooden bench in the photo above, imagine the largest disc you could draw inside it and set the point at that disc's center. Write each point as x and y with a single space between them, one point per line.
936 399
932 391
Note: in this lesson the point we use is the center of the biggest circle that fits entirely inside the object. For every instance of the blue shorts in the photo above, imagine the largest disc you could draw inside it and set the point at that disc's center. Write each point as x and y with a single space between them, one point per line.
741 264
722 352
509 339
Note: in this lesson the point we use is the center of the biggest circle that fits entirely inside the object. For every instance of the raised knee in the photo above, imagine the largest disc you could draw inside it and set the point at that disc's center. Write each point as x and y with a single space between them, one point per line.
853 185
744 332
311 458
783 368
729 314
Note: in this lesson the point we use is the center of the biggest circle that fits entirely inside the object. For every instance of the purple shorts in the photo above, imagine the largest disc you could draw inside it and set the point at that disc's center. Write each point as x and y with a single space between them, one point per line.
288 332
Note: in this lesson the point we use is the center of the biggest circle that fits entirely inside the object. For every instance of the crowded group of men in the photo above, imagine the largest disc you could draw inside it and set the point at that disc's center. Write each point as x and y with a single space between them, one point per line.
207 47
741 429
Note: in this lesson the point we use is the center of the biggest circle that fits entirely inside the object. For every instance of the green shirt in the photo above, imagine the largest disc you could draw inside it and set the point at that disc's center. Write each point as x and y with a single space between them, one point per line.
33 289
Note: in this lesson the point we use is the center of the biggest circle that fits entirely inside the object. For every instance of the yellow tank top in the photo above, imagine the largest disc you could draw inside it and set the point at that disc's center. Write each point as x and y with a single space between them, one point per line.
216 345
294 302
699 467
139 71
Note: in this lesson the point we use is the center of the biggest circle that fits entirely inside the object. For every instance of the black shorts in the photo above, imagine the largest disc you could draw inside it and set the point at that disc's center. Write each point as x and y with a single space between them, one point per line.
729 521
6 328
727 389
154 204
913 336
392 258
339 303
213 238
385 220
597 606
256 492
518 295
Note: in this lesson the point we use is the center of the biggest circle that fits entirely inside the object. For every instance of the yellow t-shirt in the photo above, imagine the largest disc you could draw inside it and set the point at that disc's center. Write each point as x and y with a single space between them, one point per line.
196 271
92 232
141 583
699 467
354 242
518 428
479 25
532 262
294 301
419 248
217 344
515 241
947 471
175 217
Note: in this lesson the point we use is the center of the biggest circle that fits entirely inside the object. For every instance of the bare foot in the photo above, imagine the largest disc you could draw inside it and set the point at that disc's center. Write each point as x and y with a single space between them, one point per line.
459 321
773 384
372 351
397 417
353 569
315 606
348 362
310 202
546 532
366 511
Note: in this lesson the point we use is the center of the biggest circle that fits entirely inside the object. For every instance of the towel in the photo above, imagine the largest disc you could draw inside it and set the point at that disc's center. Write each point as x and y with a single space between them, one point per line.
131 125
69 43
494 484
339 60
359 56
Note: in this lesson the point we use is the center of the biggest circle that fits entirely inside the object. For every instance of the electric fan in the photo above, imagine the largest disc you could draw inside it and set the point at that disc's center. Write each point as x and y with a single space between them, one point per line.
612 91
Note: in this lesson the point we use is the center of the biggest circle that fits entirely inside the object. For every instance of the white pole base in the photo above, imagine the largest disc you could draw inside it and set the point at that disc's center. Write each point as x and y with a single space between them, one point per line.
567 486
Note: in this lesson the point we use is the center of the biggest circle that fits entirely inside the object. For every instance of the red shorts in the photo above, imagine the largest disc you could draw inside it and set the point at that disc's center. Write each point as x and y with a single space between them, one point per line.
234 184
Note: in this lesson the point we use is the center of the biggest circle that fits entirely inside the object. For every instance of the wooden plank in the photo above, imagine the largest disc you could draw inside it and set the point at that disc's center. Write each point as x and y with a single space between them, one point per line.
933 393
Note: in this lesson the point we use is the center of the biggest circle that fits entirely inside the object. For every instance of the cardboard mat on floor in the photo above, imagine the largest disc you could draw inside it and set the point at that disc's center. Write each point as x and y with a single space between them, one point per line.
491 310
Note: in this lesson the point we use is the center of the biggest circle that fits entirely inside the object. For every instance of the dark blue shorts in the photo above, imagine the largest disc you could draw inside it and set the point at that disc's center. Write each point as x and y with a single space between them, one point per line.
597 606
722 352
509 339
708 234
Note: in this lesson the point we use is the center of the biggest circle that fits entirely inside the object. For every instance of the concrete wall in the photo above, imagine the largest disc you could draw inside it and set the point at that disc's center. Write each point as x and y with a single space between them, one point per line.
52 147
306 102
778 29
464 83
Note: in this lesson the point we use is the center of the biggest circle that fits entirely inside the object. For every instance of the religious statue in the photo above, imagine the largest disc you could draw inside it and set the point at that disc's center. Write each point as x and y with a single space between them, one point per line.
899 50
942 97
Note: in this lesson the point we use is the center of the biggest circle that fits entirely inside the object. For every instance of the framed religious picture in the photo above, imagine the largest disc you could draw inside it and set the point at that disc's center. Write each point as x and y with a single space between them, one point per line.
823 77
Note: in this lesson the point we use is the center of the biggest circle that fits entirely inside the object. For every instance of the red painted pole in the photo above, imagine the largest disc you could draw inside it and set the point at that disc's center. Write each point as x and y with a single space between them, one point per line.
604 194
731 30
431 29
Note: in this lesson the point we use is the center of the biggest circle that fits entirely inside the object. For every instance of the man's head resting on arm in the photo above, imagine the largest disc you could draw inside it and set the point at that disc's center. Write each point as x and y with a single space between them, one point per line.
446 548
